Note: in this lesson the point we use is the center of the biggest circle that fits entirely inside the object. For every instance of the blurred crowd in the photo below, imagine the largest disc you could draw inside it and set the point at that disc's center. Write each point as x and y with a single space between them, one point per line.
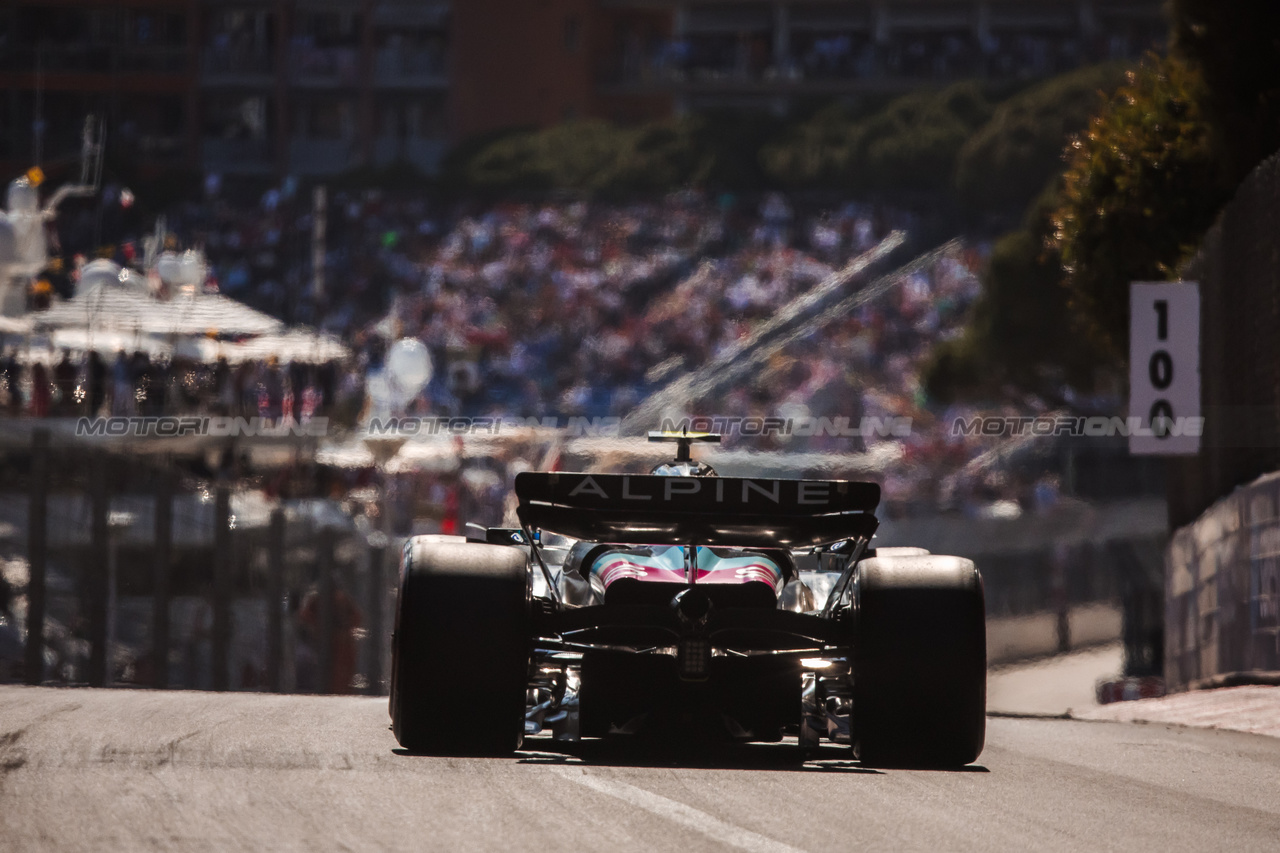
548 309
557 308
581 309
42 384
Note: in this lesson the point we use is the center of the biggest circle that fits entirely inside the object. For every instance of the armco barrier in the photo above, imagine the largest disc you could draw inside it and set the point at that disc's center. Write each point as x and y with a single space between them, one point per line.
1222 602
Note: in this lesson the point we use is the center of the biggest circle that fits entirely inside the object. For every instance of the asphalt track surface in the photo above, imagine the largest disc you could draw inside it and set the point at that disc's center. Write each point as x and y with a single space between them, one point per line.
137 770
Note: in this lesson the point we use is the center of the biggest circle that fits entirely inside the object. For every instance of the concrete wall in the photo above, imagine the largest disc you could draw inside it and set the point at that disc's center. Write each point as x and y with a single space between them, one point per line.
1222 606
1034 635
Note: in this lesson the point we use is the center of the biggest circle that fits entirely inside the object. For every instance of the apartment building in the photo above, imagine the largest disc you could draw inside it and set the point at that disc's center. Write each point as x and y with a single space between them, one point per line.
268 87
313 87
534 62
322 86
126 61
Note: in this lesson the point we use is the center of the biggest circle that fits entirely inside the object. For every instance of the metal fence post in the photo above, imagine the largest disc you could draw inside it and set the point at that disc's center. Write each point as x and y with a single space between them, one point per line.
221 588
325 612
160 578
37 556
99 557
275 599
377 593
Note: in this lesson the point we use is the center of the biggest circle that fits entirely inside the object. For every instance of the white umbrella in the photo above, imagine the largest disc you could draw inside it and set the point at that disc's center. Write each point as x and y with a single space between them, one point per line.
295 345
15 325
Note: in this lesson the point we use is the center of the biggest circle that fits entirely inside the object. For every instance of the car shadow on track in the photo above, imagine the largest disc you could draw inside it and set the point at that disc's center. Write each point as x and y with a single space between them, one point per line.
652 753
655 752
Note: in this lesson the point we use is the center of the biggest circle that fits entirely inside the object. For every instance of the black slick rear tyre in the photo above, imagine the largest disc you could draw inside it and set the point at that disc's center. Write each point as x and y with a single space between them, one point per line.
919 677
460 652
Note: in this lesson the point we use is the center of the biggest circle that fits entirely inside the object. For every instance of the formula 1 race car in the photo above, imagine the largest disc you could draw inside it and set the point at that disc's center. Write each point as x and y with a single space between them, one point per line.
683 602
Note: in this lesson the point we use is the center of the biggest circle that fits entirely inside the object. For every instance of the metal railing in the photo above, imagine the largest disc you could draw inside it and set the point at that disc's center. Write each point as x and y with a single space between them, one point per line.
324 65
141 574
218 63
409 67
237 155
96 59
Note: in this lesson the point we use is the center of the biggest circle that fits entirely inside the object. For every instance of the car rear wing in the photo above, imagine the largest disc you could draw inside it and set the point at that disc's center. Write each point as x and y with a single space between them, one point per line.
721 511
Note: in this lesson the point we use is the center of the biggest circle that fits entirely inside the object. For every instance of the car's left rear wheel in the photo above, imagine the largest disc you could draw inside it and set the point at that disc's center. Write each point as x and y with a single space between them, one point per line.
460 654
919 662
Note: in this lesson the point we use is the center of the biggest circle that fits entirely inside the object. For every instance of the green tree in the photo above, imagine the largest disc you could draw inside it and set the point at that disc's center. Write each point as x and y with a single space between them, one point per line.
1008 162
914 142
658 156
730 143
596 157
1019 332
815 153
1141 187
911 144
575 155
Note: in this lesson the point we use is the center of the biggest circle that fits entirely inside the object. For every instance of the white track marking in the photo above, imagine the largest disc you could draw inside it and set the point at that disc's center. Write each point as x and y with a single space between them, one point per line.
680 813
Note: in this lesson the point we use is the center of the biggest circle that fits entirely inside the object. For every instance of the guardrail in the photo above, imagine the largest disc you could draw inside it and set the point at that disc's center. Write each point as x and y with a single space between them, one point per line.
129 571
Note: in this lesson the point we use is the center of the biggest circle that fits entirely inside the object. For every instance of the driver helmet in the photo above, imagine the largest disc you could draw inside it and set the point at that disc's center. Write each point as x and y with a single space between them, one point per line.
684 469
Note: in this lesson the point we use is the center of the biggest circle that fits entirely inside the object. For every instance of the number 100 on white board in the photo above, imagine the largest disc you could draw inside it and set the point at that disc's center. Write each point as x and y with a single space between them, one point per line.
1164 368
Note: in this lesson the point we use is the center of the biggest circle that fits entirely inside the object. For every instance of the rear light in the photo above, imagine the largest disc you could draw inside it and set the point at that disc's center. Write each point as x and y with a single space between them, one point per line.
693 659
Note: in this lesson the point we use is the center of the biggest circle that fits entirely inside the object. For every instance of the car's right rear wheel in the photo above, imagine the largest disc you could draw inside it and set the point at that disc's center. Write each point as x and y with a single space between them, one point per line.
919 676
460 654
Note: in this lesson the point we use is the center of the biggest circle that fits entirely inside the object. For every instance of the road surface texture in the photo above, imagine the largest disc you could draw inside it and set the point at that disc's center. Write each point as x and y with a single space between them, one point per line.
137 770
1254 709
1065 685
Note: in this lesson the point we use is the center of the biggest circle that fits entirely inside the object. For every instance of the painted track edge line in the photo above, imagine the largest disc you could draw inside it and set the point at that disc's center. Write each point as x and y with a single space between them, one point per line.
677 812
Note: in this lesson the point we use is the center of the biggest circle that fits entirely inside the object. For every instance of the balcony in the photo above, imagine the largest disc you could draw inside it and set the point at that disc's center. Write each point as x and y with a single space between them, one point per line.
324 66
238 156
411 14
423 154
310 156
152 60
409 68
158 148
96 59
224 66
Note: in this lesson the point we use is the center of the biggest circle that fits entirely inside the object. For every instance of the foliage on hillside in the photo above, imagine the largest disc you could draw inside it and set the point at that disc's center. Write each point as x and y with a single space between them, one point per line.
1140 189
998 154
598 158
1009 160
911 144
1143 184
1020 332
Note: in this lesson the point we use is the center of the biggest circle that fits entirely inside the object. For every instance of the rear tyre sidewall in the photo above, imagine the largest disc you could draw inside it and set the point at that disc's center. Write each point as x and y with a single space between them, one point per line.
461 649
919 647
